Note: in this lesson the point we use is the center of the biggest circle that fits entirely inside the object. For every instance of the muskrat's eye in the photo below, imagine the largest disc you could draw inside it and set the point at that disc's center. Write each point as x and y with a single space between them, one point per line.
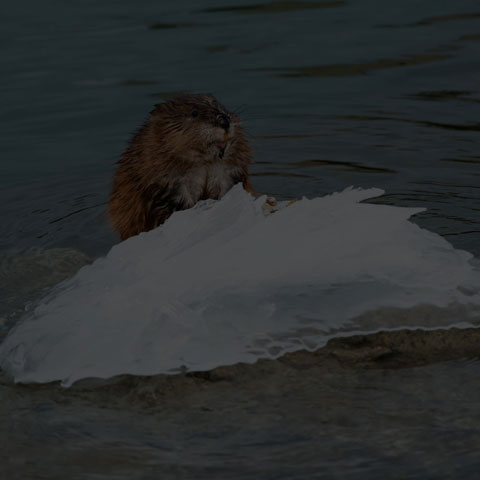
194 114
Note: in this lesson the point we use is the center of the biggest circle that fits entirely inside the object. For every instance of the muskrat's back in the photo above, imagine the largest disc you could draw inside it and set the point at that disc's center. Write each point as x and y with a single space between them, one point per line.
190 149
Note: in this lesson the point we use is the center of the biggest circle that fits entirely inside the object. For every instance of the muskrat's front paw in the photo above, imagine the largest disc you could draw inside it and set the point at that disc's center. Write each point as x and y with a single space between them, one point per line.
269 205
271 201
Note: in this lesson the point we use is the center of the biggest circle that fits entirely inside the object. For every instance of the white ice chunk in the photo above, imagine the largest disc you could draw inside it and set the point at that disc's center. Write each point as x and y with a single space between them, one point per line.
222 283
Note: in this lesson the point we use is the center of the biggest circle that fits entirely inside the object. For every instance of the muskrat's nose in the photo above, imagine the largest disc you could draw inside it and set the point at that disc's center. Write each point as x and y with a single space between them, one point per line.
223 121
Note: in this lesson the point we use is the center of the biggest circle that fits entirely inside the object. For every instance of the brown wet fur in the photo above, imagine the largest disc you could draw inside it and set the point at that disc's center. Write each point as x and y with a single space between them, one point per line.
181 137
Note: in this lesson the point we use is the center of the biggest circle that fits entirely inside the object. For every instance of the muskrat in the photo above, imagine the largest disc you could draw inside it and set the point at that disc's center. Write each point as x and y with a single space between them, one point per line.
190 148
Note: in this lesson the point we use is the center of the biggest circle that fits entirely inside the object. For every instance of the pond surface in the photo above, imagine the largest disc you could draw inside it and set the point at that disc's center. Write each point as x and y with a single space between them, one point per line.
332 94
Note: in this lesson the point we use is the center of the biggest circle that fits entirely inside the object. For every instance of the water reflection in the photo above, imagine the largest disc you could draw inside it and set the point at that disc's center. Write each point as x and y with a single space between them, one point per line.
462 160
274 7
433 20
136 83
346 70
280 174
448 18
354 166
470 38
168 26
217 48
448 126
439 95
168 95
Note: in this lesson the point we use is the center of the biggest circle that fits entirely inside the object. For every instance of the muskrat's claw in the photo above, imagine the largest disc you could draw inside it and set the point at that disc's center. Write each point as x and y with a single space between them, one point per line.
271 205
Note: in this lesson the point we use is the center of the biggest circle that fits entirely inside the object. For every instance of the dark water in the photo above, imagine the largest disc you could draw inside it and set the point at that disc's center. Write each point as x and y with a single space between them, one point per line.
332 94
325 422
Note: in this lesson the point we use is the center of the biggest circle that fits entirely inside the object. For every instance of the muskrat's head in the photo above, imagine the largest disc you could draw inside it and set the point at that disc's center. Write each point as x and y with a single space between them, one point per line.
196 127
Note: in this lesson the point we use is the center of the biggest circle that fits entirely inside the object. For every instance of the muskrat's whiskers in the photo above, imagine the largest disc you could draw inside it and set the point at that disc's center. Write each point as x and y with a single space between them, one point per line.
248 133
239 109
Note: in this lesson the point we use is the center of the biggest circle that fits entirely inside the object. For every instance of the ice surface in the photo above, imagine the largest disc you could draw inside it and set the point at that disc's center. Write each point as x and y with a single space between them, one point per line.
223 283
